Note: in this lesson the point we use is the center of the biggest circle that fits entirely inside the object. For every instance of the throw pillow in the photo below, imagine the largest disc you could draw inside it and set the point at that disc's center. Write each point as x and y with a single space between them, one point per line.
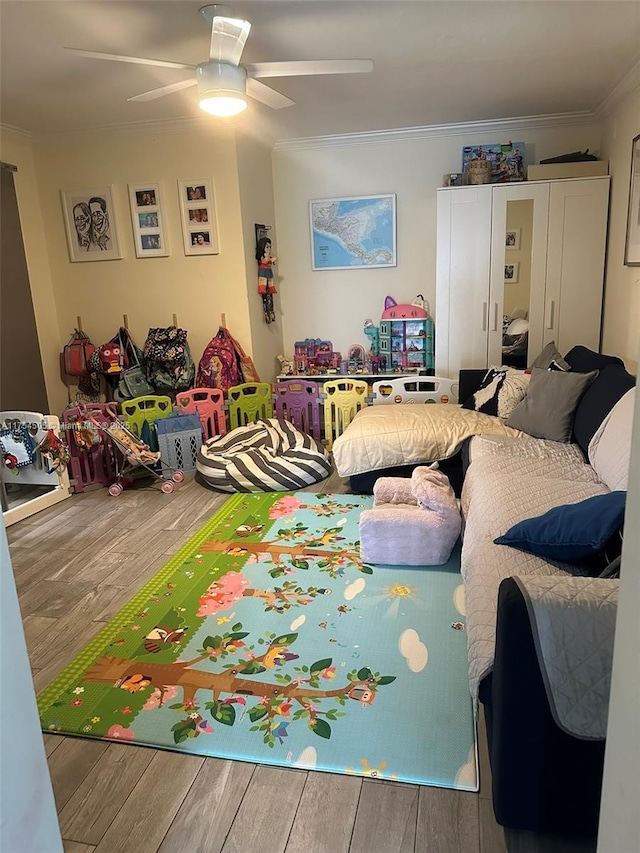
499 392
548 356
569 533
548 409
610 448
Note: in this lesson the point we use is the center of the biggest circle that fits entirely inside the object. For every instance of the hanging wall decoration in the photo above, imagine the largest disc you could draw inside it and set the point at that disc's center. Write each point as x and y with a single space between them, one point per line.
632 247
199 226
512 273
353 233
266 262
89 219
148 221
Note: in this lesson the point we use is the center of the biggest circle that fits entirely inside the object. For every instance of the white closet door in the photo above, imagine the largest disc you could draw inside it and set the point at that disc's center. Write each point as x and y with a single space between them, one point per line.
538 195
575 262
462 278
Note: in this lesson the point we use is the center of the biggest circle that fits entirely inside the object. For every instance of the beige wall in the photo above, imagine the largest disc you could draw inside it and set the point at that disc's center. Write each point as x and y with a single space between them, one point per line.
148 290
324 304
334 304
619 830
16 148
256 200
621 332
619 817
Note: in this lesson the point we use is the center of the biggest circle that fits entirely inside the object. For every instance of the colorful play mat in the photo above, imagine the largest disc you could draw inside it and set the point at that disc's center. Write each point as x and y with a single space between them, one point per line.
265 639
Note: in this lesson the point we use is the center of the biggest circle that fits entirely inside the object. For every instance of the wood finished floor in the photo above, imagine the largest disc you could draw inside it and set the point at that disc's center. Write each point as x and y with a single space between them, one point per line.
76 564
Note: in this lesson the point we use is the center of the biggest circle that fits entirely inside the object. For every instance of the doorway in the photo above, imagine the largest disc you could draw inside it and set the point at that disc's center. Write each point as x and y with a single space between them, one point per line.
24 489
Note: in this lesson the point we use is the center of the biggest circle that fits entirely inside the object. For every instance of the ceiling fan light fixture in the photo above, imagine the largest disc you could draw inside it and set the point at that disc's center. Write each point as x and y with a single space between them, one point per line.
223 104
221 88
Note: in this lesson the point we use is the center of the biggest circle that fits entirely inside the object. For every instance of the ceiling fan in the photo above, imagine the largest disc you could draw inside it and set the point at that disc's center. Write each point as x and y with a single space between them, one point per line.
222 82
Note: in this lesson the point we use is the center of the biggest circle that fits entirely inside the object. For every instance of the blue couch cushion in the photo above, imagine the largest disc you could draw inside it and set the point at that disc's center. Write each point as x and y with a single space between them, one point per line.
585 360
569 533
610 385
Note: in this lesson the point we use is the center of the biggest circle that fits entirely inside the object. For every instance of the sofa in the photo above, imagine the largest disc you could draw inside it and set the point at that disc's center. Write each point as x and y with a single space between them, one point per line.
540 628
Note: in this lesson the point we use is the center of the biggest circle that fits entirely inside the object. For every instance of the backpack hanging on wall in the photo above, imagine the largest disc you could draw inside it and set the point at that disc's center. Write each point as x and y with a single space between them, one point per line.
224 363
131 380
169 365
76 354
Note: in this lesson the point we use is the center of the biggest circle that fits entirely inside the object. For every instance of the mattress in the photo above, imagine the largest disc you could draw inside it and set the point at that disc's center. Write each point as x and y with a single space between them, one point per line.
391 436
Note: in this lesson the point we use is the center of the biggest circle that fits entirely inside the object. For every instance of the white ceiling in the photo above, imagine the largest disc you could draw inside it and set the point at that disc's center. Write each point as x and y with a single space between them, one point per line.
435 62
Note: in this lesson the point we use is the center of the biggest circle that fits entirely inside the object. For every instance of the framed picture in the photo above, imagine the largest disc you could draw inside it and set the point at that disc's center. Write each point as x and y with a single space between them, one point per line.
90 221
148 221
199 226
511 273
353 233
632 246
512 240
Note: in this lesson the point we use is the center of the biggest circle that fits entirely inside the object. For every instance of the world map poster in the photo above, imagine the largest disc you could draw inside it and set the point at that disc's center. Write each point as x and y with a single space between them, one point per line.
352 233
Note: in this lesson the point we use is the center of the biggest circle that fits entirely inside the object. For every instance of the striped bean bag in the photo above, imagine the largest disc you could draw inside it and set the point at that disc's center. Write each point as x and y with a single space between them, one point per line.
270 455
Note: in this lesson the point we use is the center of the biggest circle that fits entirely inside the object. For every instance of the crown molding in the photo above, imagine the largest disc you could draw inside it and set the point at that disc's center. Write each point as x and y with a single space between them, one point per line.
10 130
376 137
629 82
142 128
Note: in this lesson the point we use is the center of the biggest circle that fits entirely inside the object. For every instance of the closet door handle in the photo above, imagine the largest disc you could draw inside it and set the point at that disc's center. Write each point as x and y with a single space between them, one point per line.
551 313
495 316
484 316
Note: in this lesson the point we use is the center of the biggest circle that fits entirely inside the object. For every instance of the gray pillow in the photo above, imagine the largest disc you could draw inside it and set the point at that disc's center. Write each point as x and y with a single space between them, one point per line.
548 409
548 355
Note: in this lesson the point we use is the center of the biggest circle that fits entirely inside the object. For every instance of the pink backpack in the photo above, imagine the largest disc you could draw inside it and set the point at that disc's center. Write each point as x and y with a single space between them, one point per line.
224 363
218 367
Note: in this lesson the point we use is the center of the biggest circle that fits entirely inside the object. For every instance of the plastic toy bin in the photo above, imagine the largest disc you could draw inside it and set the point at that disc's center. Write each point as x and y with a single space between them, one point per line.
179 440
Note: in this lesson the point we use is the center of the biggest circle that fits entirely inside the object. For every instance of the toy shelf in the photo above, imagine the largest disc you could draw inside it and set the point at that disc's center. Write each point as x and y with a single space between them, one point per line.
367 377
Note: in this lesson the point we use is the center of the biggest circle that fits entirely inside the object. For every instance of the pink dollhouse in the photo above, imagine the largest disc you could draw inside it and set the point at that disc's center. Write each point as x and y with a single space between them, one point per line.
314 355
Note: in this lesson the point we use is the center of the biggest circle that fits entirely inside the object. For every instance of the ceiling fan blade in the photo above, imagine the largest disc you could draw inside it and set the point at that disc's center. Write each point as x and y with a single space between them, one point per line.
228 38
267 95
163 90
297 68
137 60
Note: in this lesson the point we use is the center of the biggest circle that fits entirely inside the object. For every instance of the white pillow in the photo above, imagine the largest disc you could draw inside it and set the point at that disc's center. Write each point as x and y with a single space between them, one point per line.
609 450
518 326
500 391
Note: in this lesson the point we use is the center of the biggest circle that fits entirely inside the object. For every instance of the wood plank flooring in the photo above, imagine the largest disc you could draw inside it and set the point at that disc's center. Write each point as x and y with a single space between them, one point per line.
75 565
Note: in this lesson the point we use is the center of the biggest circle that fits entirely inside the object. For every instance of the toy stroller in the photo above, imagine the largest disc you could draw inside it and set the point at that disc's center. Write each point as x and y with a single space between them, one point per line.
137 454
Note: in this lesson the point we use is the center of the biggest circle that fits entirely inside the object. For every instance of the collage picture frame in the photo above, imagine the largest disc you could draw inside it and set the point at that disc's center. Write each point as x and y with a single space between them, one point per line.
199 225
147 219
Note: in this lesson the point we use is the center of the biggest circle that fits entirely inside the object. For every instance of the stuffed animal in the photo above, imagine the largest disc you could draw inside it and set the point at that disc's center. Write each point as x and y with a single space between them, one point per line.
286 366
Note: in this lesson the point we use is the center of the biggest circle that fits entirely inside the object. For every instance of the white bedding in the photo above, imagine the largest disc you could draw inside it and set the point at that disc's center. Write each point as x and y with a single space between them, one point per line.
388 436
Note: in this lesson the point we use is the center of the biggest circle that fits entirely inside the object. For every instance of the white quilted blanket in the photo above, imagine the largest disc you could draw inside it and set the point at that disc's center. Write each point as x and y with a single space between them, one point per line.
573 623
506 483
389 436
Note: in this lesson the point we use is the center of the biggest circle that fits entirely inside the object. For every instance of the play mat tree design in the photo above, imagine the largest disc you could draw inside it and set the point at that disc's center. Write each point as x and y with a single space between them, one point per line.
270 715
